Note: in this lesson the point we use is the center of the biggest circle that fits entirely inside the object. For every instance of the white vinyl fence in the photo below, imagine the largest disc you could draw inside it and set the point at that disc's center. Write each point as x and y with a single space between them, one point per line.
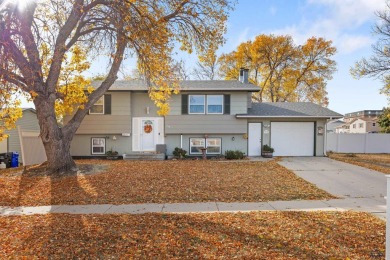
358 143
31 147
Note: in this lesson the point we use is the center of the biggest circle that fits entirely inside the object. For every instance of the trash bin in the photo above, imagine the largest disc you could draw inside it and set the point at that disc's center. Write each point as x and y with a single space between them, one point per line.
15 160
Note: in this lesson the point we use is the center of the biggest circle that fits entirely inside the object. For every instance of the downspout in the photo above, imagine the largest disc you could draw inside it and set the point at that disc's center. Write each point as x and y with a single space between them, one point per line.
181 141
326 135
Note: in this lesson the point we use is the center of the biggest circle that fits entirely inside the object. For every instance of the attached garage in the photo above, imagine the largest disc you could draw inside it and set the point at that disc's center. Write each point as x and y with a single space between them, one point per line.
292 129
293 138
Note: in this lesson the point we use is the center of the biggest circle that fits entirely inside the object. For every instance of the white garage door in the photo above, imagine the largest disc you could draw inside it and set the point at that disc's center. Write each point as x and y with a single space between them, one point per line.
292 138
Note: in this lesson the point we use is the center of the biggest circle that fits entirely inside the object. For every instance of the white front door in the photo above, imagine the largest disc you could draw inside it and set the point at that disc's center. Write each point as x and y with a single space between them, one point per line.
147 132
148 128
254 139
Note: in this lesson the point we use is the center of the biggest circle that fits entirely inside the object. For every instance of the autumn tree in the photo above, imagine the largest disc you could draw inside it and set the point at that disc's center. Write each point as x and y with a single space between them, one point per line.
181 71
384 120
45 46
207 66
282 70
378 65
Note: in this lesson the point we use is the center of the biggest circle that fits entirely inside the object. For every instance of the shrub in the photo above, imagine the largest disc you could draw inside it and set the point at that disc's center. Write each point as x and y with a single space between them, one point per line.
267 148
179 153
111 153
234 155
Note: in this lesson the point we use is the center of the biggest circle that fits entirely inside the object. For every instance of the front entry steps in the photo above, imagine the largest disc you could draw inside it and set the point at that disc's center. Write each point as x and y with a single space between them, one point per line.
144 156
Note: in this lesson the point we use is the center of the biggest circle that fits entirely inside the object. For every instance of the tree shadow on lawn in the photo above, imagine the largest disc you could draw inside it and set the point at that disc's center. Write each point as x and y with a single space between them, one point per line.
56 189
199 236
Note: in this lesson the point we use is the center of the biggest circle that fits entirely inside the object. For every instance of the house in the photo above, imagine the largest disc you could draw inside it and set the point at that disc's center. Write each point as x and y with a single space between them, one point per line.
28 121
364 125
360 122
366 114
217 115
333 124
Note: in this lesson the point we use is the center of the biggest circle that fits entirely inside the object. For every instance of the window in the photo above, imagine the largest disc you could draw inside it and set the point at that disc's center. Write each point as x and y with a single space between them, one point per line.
214 104
373 124
354 126
197 104
360 125
98 107
196 144
98 145
213 145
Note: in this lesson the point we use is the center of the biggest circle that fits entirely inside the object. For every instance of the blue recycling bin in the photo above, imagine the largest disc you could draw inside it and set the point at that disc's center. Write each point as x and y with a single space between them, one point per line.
15 160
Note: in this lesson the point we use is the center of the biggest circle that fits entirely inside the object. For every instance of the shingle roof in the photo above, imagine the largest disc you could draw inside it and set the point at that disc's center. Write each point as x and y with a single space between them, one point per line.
188 85
289 109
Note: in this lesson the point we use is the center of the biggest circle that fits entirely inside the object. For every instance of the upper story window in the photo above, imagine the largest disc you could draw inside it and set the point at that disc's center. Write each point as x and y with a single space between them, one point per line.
214 104
373 124
197 104
205 104
98 107
360 125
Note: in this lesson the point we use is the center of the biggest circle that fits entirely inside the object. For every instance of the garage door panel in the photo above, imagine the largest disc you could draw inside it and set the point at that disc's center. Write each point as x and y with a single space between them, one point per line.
292 138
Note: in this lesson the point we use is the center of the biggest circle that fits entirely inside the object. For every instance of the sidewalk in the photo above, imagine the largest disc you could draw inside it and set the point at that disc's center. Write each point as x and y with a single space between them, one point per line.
357 204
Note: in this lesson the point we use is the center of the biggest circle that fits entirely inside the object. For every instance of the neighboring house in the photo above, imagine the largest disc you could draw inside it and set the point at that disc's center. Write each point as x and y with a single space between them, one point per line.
214 114
333 124
28 121
365 121
364 125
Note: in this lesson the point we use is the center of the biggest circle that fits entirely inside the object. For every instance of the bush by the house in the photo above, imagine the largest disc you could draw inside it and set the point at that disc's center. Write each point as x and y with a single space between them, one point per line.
234 155
267 148
179 152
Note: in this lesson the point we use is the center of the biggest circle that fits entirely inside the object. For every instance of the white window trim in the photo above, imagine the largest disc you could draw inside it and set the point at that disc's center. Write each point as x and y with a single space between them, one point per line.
189 105
220 146
91 113
205 142
207 105
196 145
92 146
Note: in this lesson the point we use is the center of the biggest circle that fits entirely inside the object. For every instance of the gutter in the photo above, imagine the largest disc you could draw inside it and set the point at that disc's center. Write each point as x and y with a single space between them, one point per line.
286 116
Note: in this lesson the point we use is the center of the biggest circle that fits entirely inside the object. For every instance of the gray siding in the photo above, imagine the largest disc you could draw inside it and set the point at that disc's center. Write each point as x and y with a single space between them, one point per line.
81 144
204 124
140 103
118 122
120 103
29 121
105 124
239 143
238 102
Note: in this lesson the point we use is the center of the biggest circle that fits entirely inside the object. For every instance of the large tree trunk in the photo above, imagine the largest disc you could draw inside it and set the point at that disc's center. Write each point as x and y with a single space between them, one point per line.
55 140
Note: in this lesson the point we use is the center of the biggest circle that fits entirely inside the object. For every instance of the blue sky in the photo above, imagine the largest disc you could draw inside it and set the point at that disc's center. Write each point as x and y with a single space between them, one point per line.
348 23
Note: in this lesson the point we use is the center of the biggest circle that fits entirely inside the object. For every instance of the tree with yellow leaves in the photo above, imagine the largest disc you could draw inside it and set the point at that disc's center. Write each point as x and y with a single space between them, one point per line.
45 46
282 70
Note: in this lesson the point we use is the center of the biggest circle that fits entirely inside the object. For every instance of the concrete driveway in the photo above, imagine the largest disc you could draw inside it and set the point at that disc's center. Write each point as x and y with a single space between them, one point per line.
358 188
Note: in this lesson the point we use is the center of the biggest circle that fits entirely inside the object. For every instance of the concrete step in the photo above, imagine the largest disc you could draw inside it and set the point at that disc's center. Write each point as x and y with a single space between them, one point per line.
145 156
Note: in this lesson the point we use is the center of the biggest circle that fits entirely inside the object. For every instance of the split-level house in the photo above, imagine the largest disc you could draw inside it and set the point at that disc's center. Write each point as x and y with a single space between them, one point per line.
218 115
